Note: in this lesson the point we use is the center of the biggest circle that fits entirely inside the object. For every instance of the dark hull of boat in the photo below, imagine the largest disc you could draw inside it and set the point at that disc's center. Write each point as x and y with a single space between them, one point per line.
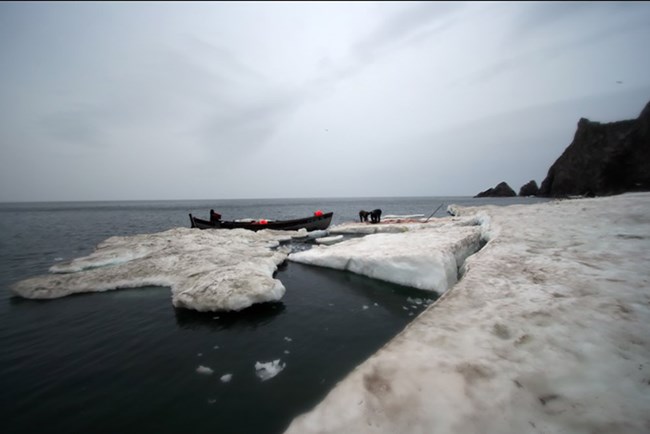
310 224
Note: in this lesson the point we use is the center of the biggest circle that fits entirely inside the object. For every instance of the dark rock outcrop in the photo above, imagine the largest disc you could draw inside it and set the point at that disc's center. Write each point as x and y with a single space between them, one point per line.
501 190
529 189
603 159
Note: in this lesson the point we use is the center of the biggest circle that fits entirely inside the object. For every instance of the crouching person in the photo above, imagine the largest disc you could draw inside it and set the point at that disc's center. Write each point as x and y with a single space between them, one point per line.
375 216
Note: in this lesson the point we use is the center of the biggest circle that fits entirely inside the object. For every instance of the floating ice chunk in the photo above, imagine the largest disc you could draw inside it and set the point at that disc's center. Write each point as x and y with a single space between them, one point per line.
204 370
212 401
317 234
269 370
425 257
329 240
207 270
287 339
364 307
199 355
226 378
286 351
216 347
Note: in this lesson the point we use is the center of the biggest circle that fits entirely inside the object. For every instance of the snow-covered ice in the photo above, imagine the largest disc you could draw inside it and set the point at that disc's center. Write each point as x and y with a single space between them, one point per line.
424 256
548 331
209 270
268 370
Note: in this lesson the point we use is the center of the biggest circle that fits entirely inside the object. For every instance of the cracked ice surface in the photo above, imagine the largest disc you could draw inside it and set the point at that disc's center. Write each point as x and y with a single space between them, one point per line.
548 331
424 256
209 270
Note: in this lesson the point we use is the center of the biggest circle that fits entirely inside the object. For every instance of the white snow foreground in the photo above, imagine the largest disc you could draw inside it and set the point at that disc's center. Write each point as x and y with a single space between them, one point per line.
424 256
548 331
210 270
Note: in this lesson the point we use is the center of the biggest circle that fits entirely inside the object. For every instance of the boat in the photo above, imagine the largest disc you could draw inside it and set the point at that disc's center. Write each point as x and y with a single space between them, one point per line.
318 221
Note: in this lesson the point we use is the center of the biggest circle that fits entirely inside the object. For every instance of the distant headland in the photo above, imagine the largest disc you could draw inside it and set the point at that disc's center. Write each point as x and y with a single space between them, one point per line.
602 160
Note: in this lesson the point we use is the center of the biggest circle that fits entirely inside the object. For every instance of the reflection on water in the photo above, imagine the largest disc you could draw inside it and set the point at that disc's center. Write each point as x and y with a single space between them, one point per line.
258 315
128 360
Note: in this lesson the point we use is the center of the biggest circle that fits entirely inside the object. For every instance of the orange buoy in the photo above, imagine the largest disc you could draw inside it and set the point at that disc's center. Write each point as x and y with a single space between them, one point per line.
318 213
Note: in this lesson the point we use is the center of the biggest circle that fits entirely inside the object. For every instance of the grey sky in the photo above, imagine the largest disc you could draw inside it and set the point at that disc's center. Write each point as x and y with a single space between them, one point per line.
120 101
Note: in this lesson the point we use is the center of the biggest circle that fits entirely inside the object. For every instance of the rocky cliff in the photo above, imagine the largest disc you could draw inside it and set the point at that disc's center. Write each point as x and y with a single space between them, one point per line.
501 190
603 159
529 189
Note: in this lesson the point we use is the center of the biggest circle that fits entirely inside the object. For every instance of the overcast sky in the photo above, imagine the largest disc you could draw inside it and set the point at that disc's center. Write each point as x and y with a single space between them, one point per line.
121 101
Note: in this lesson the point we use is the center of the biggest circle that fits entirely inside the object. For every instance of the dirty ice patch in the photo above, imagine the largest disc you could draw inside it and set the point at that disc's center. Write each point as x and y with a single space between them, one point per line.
548 331
423 257
209 270
268 370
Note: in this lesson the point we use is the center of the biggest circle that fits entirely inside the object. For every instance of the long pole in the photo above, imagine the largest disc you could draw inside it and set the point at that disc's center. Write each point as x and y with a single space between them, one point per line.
434 212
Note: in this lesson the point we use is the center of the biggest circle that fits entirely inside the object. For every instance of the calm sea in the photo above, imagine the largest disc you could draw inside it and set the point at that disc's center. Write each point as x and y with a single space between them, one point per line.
126 361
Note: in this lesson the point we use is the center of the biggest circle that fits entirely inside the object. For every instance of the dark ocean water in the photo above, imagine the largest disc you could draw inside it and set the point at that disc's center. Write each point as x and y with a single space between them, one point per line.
125 361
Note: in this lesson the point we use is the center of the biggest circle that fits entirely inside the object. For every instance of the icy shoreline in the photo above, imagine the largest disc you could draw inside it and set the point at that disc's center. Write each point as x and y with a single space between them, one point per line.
548 331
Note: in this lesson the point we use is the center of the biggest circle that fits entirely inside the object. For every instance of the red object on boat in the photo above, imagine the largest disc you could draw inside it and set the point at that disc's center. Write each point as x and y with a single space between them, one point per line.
318 213
263 222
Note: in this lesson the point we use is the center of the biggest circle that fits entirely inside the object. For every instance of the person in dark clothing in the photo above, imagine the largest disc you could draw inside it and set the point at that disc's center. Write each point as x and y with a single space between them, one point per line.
214 216
375 216
363 216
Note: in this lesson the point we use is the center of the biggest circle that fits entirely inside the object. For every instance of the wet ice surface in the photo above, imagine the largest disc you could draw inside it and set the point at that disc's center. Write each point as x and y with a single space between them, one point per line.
548 331
424 256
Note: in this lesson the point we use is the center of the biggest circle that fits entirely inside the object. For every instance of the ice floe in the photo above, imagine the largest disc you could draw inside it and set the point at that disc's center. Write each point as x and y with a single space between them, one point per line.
329 240
226 378
229 270
209 270
204 370
268 370
425 256
548 331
